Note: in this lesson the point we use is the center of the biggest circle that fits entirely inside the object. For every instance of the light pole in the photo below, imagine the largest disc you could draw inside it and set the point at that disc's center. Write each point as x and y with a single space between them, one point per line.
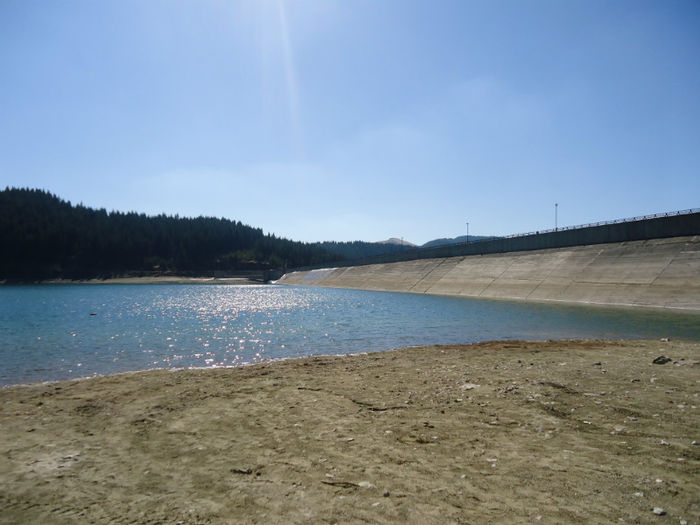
556 218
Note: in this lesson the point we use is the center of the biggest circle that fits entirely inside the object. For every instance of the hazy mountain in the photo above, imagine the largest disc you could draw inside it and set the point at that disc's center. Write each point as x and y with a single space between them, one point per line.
399 242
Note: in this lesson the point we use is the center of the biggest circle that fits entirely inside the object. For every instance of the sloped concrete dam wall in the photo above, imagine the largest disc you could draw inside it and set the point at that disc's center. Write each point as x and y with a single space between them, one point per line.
652 273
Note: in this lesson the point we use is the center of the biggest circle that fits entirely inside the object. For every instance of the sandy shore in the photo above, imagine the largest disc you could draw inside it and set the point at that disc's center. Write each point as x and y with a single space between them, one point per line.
555 432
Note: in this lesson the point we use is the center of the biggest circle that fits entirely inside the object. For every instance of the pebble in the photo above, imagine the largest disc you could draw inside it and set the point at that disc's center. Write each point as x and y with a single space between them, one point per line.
365 485
639 494
661 360
659 511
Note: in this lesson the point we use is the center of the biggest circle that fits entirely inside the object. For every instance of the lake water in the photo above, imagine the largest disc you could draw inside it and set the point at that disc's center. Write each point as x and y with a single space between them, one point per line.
53 332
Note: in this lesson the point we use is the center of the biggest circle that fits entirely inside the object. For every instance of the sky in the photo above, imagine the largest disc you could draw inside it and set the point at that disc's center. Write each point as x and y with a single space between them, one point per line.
356 119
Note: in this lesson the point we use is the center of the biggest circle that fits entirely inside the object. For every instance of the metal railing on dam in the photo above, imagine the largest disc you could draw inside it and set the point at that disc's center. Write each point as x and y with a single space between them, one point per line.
661 225
605 223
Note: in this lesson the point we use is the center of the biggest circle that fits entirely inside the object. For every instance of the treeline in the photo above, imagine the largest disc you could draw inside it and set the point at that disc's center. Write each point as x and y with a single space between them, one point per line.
361 249
45 237
462 239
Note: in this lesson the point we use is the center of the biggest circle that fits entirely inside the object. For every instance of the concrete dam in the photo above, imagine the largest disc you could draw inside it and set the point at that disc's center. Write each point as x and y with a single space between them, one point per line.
658 272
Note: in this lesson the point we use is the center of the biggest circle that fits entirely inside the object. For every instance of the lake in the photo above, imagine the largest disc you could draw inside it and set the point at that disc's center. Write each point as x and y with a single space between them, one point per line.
54 332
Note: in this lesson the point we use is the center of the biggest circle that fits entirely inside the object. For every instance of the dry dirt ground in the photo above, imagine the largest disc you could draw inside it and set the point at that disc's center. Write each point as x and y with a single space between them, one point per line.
503 432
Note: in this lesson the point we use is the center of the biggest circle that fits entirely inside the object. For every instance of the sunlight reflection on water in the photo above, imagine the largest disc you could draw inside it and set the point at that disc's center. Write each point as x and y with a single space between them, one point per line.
58 332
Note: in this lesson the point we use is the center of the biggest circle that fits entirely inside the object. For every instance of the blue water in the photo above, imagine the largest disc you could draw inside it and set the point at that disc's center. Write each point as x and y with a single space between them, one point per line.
50 333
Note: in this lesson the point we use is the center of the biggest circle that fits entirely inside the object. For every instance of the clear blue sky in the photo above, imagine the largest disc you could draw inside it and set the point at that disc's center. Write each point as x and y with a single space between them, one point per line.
356 119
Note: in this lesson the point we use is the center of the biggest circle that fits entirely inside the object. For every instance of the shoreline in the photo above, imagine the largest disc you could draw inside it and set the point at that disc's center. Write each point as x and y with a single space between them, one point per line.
509 431
273 361
517 300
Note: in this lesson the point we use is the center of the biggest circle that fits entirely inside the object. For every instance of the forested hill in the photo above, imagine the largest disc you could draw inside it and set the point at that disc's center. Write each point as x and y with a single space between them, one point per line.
45 237
360 249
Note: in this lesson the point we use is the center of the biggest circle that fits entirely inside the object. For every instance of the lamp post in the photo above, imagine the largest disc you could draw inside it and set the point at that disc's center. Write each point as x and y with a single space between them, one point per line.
556 218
